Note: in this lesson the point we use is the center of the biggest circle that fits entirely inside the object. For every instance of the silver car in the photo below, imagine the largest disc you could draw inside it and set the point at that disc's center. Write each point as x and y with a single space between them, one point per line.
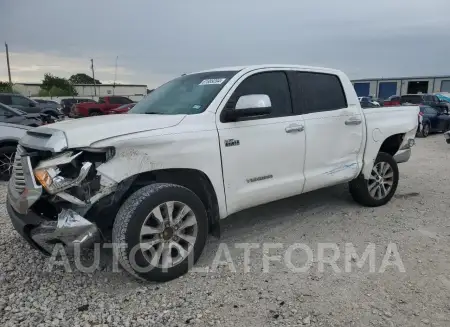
10 134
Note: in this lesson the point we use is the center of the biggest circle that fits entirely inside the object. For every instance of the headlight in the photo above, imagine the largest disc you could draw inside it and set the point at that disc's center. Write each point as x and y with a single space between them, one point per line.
49 178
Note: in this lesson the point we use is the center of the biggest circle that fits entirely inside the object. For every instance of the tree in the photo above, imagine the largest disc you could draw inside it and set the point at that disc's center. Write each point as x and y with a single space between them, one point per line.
82 78
5 87
59 85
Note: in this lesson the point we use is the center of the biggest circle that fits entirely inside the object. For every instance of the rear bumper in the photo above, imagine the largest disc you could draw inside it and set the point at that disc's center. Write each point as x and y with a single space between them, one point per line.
402 156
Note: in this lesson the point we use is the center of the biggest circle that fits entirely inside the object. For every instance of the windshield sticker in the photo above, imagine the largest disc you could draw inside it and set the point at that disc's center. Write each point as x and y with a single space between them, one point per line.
212 81
196 107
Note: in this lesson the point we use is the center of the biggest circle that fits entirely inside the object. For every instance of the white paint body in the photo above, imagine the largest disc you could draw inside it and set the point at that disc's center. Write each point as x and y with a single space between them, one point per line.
327 152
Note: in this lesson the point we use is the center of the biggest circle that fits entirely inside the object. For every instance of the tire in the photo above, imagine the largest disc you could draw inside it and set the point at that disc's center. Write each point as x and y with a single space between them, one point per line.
426 130
137 213
94 113
360 188
7 154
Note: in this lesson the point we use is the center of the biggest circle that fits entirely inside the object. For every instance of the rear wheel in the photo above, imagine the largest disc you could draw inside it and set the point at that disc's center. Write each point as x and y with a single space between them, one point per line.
7 154
381 185
94 113
160 231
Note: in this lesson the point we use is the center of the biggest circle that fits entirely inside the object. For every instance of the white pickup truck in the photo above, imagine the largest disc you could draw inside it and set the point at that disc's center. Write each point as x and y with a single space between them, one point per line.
196 150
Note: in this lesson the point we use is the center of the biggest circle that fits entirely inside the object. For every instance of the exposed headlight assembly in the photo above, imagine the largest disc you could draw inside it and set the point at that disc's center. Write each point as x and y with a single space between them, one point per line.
53 183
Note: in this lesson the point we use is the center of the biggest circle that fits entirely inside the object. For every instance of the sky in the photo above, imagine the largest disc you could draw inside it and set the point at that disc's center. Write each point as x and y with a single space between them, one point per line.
154 41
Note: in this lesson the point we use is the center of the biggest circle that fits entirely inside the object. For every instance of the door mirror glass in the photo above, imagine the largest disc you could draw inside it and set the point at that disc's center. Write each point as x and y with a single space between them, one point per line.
253 101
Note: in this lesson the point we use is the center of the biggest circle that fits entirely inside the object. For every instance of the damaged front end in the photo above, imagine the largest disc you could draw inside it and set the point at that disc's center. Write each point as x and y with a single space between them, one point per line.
51 196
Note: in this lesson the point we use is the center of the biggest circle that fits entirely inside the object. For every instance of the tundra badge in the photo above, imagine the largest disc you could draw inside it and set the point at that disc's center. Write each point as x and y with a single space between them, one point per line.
231 142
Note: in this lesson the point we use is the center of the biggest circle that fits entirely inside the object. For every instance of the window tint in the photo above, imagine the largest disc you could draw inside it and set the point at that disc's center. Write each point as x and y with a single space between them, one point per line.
414 99
101 100
5 99
273 84
19 101
316 92
430 111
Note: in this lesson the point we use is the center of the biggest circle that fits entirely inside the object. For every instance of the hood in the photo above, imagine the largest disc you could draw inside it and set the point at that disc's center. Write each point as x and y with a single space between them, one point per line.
85 131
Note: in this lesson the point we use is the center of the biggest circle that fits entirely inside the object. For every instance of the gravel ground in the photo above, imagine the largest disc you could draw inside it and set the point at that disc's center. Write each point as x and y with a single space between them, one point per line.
416 220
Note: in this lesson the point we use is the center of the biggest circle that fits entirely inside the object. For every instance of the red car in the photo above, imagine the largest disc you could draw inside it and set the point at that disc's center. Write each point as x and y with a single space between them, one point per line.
122 109
102 107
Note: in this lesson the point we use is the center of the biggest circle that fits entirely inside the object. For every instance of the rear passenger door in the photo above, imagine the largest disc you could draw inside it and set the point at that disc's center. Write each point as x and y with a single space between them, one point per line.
334 130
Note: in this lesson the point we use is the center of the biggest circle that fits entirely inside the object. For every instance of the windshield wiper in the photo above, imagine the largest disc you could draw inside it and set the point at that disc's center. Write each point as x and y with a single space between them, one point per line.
153 113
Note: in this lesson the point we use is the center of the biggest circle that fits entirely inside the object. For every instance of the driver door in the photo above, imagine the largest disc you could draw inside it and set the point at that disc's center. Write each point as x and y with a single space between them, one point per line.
22 103
262 156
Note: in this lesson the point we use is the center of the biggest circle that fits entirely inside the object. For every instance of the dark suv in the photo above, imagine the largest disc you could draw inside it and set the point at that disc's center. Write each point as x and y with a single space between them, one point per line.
28 105
67 104
426 100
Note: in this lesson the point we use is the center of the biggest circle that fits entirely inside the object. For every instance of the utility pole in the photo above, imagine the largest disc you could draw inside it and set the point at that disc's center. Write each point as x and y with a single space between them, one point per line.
93 77
7 63
115 76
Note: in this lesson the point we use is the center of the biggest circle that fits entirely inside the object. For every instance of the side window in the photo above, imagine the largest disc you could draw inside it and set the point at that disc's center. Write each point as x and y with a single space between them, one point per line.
430 111
101 100
5 99
19 101
125 100
273 84
114 100
316 92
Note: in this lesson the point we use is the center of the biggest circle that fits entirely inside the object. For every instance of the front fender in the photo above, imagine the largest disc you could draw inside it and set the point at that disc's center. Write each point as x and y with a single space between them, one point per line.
199 151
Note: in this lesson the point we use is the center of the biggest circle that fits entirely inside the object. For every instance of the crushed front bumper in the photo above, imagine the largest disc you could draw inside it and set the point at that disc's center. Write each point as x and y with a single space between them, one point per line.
69 228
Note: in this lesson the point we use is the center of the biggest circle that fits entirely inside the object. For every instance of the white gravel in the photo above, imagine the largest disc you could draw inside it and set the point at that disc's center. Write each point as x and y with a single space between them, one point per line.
416 220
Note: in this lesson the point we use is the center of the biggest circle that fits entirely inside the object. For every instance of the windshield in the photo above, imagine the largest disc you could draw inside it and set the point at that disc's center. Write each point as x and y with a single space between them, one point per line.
14 111
185 95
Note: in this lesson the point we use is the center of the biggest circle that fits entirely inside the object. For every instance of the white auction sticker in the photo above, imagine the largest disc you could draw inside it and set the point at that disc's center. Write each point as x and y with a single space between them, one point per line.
212 81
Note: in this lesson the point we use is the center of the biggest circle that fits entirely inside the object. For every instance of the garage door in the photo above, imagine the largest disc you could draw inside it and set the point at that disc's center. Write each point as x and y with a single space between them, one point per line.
445 86
386 89
362 89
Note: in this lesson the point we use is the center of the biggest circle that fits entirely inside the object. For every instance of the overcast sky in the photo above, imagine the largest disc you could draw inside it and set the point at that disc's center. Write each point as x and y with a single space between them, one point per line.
158 40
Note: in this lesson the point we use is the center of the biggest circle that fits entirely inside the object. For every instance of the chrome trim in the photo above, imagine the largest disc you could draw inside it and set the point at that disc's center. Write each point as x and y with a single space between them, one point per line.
402 156
71 229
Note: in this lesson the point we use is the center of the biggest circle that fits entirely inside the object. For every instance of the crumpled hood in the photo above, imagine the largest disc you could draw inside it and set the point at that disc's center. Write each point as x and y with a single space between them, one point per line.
83 132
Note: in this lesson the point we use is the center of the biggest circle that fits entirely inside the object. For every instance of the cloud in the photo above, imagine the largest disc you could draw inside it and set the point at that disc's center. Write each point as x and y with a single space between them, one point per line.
158 40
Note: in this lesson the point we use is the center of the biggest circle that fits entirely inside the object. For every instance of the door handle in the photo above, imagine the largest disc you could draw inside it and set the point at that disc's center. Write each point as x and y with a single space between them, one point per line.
353 121
294 128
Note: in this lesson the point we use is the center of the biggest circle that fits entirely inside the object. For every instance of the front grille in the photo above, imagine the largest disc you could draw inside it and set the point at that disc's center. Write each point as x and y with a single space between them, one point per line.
18 178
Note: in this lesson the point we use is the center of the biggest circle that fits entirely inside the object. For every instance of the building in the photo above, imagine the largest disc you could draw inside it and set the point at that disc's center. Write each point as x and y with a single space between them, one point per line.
89 90
385 87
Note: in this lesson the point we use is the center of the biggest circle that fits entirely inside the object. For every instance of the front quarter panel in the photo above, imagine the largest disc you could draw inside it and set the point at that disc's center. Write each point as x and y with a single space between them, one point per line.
193 145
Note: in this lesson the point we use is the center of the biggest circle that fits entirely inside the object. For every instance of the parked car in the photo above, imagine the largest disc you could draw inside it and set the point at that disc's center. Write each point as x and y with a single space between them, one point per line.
424 99
15 116
444 98
432 120
28 105
9 137
67 104
367 102
102 107
393 100
122 109
49 103
198 149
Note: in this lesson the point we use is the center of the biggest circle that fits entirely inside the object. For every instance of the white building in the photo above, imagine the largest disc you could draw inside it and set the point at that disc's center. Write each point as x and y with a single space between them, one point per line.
88 90
385 87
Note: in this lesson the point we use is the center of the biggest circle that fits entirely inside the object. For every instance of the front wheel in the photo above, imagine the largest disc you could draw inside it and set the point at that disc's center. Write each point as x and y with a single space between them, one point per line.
7 155
160 231
381 185
426 130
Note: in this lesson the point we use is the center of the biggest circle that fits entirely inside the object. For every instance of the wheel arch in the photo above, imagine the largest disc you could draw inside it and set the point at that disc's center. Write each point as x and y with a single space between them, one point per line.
8 142
193 179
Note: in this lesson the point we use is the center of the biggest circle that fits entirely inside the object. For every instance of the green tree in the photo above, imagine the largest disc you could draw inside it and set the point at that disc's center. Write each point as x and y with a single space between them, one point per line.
5 87
51 84
82 78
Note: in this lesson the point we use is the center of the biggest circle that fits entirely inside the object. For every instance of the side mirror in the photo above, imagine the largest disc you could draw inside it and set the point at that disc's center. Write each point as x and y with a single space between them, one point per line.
32 104
251 105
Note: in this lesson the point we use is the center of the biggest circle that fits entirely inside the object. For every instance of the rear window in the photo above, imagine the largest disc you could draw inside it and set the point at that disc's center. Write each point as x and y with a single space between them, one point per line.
414 99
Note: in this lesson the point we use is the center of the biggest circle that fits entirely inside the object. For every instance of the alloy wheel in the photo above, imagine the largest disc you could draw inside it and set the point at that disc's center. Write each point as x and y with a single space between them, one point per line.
381 180
6 164
168 234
